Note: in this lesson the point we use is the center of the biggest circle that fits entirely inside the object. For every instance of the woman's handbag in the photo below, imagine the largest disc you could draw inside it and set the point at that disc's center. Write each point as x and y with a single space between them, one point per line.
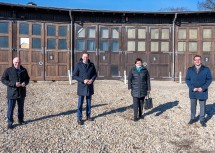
148 102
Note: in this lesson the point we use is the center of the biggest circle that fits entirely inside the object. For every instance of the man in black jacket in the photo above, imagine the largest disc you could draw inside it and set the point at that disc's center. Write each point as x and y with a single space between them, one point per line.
85 74
15 78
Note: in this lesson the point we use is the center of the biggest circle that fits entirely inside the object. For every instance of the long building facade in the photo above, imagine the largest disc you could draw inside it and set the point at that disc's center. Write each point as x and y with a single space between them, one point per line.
50 41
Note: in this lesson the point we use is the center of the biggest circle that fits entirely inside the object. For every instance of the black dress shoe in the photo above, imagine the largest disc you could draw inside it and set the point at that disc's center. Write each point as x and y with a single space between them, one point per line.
141 117
80 122
22 122
10 126
89 119
135 119
191 121
203 123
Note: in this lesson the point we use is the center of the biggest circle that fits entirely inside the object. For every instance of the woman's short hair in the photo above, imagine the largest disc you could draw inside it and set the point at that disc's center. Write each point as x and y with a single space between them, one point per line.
137 60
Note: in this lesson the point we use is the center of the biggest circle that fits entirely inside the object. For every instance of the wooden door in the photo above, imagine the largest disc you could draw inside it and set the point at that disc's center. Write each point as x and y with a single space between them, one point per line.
110 53
5 45
86 40
160 48
30 48
186 48
134 46
207 36
57 51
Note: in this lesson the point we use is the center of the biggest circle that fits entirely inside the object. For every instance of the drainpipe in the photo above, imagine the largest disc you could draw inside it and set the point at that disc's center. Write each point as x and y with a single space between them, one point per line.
173 47
71 38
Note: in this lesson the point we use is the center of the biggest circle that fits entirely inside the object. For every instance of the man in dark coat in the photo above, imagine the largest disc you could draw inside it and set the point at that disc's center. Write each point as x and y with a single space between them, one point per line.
85 74
139 83
198 79
15 78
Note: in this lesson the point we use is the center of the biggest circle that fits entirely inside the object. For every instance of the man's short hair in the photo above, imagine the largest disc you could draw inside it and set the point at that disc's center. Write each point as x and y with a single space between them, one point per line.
197 56
85 53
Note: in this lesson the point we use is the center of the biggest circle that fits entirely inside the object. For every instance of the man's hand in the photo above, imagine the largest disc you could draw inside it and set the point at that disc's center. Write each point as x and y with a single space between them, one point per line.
23 84
200 90
18 84
90 82
195 89
86 81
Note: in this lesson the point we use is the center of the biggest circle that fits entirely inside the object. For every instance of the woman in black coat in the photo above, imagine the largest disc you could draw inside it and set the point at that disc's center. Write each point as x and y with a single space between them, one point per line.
139 83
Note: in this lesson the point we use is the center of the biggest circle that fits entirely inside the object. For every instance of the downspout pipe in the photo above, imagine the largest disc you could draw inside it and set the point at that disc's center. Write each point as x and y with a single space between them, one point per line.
71 39
173 46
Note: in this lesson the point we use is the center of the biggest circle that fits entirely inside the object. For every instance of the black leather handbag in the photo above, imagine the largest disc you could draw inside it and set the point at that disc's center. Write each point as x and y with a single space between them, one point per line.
148 104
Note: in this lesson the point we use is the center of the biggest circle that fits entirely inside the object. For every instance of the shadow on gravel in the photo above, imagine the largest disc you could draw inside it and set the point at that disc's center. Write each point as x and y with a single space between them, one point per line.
210 111
162 108
118 110
63 113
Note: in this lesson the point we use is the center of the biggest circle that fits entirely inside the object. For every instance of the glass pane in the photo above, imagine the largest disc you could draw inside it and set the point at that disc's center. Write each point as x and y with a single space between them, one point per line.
114 70
91 32
206 33
23 28
165 34
80 45
115 33
36 43
36 29
62 44
4 42
115 46
206 46
193 46
51 30
51 43
131 33
154 46
141 33
104 46
164 46
91 45
141 46
181 46
80 32
154 33
131 45
193 34
104 33
182 34
4 27
62 31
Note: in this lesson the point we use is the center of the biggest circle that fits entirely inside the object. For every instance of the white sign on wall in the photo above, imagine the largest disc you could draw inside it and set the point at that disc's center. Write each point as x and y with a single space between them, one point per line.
24 42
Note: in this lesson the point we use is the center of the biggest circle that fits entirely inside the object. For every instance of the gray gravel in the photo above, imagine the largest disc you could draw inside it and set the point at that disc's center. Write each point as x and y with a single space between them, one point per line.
50 110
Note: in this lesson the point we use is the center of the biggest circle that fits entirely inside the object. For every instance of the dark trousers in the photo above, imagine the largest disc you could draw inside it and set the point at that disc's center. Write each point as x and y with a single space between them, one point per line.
202 109
138 106
80 105
11 105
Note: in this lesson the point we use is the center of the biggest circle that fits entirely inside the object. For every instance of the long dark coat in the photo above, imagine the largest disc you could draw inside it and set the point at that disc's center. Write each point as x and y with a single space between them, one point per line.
82 72
196 80
139 82
10 77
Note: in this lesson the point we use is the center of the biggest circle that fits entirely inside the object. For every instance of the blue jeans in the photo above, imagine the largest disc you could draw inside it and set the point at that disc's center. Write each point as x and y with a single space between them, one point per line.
202 109
80 105
11 105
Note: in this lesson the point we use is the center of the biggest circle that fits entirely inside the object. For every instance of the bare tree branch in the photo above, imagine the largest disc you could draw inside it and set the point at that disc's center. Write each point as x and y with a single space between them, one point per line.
174 9
207 5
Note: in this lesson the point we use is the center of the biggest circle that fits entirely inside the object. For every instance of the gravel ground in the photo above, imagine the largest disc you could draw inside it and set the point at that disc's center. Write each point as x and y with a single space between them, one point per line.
50 110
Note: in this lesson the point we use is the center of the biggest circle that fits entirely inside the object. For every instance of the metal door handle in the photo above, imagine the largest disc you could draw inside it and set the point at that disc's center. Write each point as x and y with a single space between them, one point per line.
40 63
